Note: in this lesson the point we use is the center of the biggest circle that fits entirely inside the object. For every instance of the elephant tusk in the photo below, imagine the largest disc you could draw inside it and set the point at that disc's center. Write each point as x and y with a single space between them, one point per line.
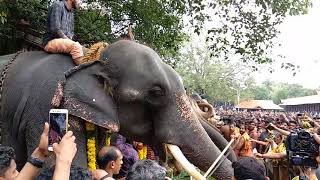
178 155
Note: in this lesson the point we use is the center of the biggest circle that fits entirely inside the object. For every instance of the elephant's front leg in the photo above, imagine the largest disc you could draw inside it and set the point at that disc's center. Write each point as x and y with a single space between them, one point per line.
78 128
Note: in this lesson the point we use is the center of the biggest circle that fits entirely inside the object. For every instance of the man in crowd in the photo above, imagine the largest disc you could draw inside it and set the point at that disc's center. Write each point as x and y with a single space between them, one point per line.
147 170
243 146
60 30
130 155
110 160
228 129
8 166
249 168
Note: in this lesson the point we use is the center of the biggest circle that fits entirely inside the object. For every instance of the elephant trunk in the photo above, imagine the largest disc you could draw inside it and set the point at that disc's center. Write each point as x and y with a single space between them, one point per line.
185 131
203 109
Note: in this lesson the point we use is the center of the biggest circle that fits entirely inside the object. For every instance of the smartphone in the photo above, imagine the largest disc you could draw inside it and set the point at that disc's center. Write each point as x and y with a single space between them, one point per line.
58 126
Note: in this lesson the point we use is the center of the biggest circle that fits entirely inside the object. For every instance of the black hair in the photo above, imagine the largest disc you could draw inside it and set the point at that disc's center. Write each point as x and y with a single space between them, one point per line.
146 170
293 122
110 155
6 155
248 168
76 173
228 120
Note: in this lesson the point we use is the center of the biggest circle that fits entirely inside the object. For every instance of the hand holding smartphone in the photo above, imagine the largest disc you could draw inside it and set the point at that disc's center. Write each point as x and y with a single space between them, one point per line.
58 122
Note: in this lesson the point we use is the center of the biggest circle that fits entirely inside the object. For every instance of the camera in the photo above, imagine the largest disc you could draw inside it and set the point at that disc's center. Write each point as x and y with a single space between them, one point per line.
302 149
270 127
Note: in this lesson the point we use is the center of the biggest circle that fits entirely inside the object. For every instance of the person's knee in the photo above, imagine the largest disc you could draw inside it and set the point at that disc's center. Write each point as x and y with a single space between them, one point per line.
76 50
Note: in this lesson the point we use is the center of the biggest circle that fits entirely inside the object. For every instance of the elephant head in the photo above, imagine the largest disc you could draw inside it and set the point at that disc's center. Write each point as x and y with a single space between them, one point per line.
131 90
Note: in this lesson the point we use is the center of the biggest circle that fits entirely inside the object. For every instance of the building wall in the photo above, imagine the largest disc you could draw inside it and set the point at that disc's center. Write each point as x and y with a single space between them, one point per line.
303 108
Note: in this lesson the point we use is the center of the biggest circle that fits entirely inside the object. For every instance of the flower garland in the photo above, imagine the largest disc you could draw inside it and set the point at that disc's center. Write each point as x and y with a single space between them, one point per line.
142 151
92 150
91 146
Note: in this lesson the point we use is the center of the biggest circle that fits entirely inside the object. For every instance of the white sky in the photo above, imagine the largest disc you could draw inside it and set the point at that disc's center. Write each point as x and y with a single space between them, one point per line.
300 39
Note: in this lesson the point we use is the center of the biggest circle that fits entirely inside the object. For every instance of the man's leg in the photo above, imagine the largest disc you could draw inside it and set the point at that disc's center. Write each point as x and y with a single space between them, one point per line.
66 46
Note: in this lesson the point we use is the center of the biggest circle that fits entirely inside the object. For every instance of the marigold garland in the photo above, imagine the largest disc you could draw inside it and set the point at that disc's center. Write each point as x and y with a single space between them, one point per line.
140 150
108 137
92 55
91 146
145 148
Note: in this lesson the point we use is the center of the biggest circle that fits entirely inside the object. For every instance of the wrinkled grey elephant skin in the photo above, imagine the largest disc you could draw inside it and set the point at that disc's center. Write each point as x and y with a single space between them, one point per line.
131 90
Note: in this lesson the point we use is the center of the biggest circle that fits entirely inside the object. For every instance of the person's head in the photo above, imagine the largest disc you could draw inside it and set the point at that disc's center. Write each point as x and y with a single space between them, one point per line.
75 4
110 159
232 126
76 172
284 125
278 137
147 170
292 125
242 128
7 164
262 125
251 125
248 168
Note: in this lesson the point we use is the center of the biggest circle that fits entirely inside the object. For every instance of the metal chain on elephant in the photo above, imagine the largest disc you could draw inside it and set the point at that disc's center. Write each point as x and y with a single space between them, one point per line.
2 78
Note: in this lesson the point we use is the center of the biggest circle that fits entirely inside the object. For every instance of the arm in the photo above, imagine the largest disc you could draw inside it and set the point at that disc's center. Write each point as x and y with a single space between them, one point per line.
55 20
260 142
284 132
274 155
316 124
238 145
30 171
316 137
65 152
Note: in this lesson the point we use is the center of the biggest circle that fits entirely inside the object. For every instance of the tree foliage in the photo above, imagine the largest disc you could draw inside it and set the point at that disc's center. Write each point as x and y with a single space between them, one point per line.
155 23
279 91
246 29
222 81
204 75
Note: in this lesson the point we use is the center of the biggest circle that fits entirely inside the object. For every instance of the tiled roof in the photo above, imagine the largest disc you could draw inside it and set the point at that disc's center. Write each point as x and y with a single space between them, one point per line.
315 99
258 104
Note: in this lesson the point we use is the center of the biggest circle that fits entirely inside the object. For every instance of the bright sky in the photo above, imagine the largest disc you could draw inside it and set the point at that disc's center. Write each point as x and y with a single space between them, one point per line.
300 39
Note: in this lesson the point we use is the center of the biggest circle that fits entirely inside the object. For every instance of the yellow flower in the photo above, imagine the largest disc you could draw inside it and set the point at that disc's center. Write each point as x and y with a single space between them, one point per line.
91 147
90 126
140 151
144 151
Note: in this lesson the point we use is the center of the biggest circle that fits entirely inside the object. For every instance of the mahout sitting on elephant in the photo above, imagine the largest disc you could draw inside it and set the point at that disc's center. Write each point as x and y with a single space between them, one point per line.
130 91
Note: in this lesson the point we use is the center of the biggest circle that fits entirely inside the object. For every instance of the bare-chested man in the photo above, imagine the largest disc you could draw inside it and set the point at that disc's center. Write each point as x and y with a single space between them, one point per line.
228 129
243 146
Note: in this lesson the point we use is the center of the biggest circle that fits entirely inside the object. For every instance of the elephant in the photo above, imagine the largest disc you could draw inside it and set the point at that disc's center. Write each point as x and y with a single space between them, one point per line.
129 90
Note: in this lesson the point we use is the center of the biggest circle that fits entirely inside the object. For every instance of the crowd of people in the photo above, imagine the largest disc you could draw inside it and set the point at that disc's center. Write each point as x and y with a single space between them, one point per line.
262 135
109 160
259 137
259 146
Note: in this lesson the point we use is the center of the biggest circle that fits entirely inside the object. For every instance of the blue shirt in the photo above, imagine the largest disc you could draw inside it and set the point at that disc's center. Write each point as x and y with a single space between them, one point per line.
60 22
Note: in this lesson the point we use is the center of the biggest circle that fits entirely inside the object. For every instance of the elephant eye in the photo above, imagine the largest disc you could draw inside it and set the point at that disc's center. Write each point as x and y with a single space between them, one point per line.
156 91
100 79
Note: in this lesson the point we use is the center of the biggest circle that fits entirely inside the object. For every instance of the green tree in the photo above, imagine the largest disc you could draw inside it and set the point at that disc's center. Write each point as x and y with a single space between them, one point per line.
243 28
246 29
205 75
156 23
278 91
284 90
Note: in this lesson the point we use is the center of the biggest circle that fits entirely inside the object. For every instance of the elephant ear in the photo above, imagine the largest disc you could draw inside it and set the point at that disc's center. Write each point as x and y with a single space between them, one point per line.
83 94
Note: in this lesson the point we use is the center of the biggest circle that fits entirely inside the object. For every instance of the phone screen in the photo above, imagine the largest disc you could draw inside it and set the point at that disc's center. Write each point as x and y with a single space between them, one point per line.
58 125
